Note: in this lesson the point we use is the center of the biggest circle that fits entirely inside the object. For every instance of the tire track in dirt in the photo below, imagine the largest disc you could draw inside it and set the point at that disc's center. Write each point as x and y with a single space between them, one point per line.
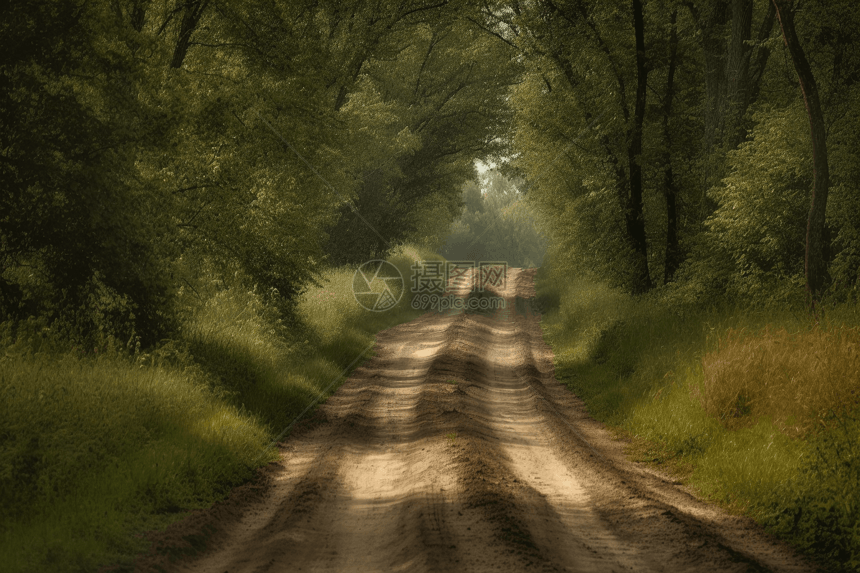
502 471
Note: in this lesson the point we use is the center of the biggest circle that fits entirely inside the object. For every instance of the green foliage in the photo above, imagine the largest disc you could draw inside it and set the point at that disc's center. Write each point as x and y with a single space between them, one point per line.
756 235
844 203
496 224
70 216
820 514
146 152
726 160
421 116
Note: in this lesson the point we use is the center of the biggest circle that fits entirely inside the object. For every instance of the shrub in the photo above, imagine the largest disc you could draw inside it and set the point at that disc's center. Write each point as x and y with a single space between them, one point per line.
821 511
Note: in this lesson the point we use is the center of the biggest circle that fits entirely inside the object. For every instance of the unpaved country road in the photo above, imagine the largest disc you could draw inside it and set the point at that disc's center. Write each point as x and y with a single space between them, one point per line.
502 471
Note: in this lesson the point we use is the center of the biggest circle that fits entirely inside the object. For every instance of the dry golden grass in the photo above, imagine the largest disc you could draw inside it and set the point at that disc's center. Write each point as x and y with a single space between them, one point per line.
795 379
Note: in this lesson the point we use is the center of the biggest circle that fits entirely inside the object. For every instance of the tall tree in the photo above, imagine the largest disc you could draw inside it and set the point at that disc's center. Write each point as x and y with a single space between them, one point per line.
670 190
733 68
815 263
192 12
635 216
600 52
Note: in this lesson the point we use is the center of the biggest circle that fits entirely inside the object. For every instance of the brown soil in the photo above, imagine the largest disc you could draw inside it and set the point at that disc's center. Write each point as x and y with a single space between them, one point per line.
502 471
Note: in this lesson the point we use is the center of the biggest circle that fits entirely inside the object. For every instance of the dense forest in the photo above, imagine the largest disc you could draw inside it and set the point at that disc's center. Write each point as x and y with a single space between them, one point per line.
665 142
184 183
146 141
682 146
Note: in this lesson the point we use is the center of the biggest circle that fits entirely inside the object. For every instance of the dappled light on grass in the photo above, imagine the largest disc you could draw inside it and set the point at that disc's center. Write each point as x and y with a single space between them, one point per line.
756 409
749 468
97 447
275 370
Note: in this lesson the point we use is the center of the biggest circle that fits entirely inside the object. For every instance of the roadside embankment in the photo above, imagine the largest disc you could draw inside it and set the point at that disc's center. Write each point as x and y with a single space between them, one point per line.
99 445
755 409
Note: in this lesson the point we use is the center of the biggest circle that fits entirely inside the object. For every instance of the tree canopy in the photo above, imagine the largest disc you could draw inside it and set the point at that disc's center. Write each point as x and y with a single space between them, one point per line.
146 145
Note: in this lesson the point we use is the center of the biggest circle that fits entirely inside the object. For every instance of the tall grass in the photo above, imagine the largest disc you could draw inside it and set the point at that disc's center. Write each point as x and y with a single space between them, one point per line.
755 408
99 446
95 447
275 370
795 378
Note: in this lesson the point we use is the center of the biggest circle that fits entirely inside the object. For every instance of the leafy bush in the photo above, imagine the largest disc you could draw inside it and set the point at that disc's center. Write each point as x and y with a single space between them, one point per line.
822 507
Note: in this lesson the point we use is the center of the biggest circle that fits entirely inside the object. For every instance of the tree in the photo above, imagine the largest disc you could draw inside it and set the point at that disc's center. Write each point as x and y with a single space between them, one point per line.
147 146
815 262
76 238
597 51
496 224
670 190
733 65
425 108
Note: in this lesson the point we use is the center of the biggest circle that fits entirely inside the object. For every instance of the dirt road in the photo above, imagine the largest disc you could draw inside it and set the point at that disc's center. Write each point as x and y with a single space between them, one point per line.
454 449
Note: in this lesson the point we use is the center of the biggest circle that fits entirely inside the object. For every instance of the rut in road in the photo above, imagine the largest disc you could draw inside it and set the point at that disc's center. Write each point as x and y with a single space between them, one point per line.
502 471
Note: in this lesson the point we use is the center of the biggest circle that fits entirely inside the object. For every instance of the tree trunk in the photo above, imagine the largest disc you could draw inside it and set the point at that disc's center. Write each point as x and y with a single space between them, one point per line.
673 254
191 15
732 79
748 91
138 15
714 48
634 217
737 72
815 263
629 182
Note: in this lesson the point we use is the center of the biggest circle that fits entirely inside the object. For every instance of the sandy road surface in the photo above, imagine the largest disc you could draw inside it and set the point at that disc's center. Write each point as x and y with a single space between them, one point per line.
502 471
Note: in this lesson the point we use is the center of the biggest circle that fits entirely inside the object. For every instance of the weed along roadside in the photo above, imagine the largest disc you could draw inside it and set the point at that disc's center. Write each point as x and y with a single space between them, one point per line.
101 446
755 410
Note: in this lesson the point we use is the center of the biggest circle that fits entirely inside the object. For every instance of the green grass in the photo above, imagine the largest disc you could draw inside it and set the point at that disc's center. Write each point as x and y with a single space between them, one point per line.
93 448
662 374
98 447
274 372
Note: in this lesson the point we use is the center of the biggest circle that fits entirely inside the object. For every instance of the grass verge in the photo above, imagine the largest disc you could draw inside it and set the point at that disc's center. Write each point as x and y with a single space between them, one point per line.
98 447
756 410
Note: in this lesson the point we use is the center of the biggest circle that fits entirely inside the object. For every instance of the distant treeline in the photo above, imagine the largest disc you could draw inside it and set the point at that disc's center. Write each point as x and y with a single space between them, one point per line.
496 224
